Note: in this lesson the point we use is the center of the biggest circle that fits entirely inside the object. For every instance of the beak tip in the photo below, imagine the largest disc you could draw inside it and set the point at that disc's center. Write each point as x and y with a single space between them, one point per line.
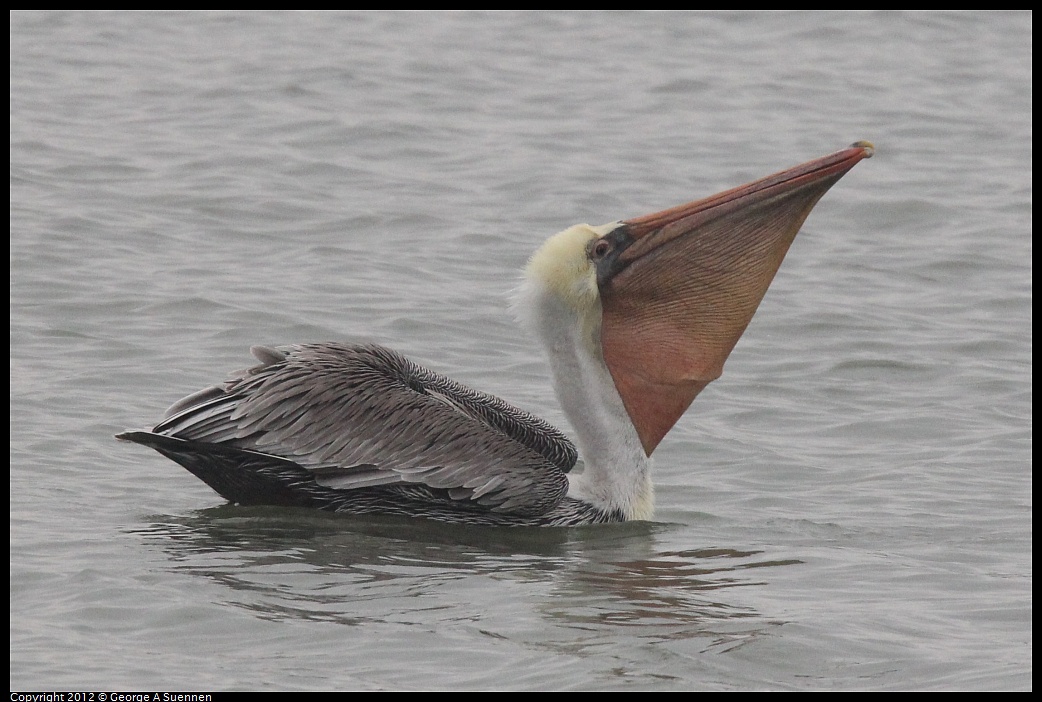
868 147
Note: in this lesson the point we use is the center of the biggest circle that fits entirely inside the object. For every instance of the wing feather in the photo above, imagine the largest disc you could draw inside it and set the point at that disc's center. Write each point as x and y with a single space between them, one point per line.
363 416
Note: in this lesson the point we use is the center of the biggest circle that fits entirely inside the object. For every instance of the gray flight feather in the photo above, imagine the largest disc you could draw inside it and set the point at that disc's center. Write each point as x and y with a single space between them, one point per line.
364 416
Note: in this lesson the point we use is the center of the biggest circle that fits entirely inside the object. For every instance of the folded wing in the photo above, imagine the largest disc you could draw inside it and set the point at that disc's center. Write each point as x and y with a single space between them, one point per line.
364 416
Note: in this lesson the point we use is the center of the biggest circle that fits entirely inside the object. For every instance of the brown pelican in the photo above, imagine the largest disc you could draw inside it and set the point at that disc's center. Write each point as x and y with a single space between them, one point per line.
637 316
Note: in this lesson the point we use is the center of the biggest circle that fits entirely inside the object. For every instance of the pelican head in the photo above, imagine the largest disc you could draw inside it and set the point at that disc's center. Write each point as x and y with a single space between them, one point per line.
652 306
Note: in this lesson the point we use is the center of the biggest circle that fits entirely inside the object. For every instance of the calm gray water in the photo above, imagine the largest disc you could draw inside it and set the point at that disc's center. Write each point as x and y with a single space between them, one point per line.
849 507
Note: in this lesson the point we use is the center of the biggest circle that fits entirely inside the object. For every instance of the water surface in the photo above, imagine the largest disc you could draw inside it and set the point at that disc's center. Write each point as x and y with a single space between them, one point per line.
849 507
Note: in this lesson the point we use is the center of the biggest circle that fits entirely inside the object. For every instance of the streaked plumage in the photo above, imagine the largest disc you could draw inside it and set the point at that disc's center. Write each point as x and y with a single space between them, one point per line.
636 316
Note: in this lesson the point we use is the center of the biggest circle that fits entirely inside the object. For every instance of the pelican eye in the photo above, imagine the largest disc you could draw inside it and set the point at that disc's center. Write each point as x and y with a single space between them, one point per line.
599 249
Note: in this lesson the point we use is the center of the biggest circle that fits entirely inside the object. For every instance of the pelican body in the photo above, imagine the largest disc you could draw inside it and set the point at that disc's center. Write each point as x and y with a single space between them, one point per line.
636 316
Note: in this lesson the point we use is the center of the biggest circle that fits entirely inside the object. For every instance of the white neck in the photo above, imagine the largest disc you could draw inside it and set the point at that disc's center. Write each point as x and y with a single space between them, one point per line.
616 475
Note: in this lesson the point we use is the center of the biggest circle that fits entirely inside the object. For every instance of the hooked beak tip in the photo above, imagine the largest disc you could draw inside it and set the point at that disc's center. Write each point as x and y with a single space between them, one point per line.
868 147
